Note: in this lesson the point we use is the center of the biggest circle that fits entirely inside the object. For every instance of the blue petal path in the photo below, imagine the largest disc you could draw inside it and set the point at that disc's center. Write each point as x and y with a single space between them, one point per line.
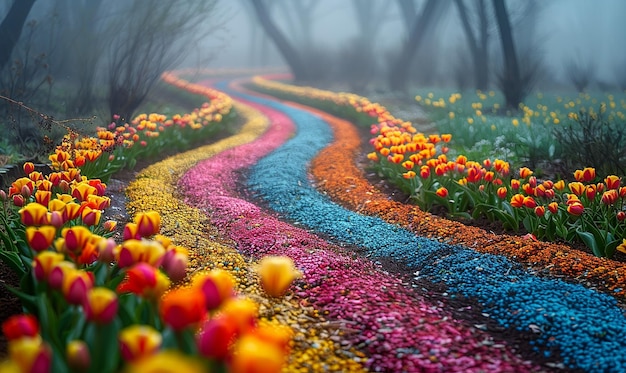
588 327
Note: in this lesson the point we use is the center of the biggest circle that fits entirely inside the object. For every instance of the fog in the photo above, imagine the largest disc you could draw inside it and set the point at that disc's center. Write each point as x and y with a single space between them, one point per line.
73 55
590 33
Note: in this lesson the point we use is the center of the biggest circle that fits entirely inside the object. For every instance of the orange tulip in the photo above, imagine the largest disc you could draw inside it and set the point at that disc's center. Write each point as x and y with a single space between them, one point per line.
182 307
529 202
442 192
553 207
216 285
540 211
577 188
254 355
585 175
91 217
515 184
144 280
278 272
28 167
82 191
612 182
525 172
610 197
243 312
139 341
517 200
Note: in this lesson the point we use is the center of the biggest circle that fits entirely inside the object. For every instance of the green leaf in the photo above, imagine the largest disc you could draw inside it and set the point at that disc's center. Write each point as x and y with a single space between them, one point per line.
12 259
609 249
589 240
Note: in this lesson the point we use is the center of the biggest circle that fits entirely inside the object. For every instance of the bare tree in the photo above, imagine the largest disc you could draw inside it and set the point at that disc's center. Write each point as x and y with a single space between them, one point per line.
580 73
477 40
511 80
11 28
153 40
399 72
288 51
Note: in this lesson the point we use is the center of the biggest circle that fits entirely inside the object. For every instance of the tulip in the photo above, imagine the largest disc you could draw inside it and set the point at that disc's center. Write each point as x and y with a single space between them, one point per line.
148 223
42 197
28 167
33 214
58 272
3 196
553 207
442 192
622 247
525 172
502 192
474 174
135 251
409 175
44 262
529 202
100 305
40 238
612 182
71 212
610 197
515 184
75 238
216 285
175 263
540 211
55 219
576 209
99 185
166 362
139 341
243 312
424 172
78 356
216 336
131 232
277 334
110 225
517 200
590 192
76 283
31 354
99 202
144 280
106 250
577 188
278 272
45 185
20 326
253 355
91 216
81 191
585 175
182 307
621 215
18 186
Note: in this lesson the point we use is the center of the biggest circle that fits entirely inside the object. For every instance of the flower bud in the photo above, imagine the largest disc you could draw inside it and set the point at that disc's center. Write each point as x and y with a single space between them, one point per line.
278 272
78 357
138 341
216 336
100 305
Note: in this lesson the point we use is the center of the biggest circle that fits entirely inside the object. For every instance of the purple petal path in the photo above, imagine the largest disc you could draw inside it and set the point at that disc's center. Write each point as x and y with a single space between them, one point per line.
397 328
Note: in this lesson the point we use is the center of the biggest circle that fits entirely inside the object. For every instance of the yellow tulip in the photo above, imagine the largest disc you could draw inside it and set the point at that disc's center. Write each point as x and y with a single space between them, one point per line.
277 273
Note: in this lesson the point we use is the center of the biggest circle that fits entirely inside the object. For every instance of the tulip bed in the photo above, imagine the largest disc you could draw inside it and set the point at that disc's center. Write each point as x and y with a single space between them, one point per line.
379 285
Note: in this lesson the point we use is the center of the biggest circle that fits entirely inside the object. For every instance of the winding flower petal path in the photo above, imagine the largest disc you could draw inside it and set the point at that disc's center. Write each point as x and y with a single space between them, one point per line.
355 314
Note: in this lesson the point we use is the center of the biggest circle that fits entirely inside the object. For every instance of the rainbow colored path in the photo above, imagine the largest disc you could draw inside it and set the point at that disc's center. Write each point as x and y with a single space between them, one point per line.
397 327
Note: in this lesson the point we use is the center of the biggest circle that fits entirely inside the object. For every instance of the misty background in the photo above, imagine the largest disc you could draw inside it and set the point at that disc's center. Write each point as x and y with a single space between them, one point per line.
77 57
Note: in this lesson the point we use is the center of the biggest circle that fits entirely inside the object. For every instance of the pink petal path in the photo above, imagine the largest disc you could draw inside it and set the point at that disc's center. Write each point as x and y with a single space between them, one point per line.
398 328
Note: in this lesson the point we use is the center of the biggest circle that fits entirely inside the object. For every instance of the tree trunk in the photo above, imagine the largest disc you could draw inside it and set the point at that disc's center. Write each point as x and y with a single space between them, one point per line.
511 78
399 72
478 51
11 28
286 49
